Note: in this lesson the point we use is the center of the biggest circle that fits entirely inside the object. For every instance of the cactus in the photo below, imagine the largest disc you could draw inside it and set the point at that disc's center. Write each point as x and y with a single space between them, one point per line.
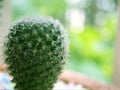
35 52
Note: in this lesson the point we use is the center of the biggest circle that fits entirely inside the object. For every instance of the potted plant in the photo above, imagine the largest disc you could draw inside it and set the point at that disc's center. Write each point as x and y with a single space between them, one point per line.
35 52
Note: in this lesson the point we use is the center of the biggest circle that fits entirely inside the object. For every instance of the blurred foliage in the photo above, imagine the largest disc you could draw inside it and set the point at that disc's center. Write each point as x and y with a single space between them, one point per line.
99 6
94 9
92 49
54 8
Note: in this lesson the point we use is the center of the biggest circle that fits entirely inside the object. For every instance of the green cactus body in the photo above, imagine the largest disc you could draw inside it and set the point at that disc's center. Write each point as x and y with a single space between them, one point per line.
35 51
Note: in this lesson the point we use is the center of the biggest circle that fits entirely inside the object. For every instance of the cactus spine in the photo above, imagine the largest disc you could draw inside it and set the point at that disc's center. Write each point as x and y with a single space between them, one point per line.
35 51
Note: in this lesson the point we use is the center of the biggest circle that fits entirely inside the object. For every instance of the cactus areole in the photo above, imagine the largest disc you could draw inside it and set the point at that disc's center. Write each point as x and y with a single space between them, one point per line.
35 51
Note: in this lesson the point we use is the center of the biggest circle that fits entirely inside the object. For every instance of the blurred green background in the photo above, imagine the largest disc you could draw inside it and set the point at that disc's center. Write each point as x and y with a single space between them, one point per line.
91 25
